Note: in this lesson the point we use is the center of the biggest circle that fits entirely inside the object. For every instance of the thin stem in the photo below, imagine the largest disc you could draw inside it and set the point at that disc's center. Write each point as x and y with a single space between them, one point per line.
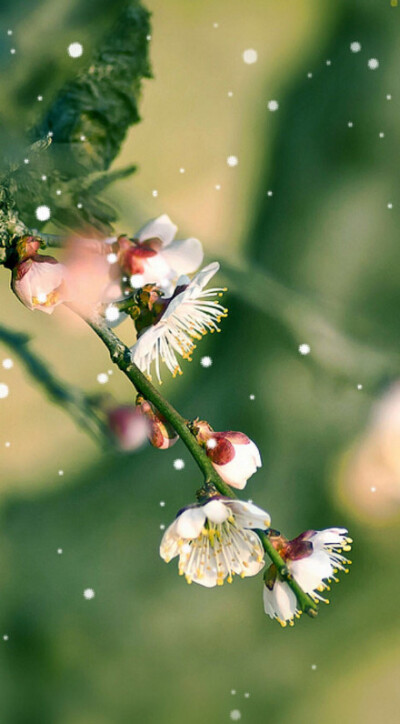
120 354
305 602
69 397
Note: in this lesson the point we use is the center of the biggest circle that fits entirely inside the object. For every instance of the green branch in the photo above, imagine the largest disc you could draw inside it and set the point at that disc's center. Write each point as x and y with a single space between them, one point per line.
71 398
121 356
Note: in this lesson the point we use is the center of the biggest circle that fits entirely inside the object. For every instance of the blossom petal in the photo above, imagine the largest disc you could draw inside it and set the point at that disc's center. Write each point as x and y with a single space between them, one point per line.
159 228
248 515
184 256
281 602
190 522
216 511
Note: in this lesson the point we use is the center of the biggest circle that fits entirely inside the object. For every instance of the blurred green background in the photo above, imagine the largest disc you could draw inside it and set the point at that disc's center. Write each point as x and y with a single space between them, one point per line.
149 648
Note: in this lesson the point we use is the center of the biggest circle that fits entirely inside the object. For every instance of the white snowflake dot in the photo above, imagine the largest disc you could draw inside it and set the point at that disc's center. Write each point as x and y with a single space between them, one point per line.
9 32
211 443
235 715
43 213
154 193
270 193
355 46
390 206
232 161
218 187
61 473
388 97
3 390
40 98
373 489
373 63
89 593
181 170
7 444
206 361
162 503
102 378
59 551
246 694
328 62
179 464
5 637
313 666
230 94
304 349
79 206
272 105
252 397
112 258
350 124
250 56
82 138
359 387
13 51
233 692
381 135
75 50
309 75
58 192
162 526
7 363
112 314
44 177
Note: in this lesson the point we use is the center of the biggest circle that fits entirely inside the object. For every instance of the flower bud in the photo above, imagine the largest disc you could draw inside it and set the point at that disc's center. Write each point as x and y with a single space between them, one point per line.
129 427
234 456
38 280
160 433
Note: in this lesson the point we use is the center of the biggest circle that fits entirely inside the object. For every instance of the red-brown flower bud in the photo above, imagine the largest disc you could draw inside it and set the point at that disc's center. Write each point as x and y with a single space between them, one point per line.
161 433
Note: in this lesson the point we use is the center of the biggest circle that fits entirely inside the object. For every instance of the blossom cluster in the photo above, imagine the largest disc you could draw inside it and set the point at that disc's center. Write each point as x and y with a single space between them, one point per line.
145 279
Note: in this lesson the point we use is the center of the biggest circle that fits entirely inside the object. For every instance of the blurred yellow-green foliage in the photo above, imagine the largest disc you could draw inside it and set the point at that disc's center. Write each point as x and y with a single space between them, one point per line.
149 648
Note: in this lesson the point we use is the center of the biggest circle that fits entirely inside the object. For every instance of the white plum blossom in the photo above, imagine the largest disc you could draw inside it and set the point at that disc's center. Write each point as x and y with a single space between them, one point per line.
188 316
234 456
153 257
38 282
313 559
215 541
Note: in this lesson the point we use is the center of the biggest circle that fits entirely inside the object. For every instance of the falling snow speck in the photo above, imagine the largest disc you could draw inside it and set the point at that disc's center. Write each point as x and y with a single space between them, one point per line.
211 443
40 98
309 75
3 390
373 63
89 594
13 51
154 193
359 387
112 258
313 666
79 206
218 187
230 94
44 177
388 97
252 397
59 551
232 161
7 444
162 526
304 349
112 314
43 213
328 62
181 170
61 473
162 503
9 32
179 464
246 694
7 363
381 135
273 105
373 489
350 124
390 206
58 192
250 56
206 361
233 692
235 715
5 637
270 193
102 378
75 50
355 46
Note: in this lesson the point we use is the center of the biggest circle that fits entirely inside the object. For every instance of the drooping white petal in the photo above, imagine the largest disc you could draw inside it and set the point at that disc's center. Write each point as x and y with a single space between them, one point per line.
310 572
169 547
329 537
281 602
216 511
190 522
248 515
184 256
161 228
